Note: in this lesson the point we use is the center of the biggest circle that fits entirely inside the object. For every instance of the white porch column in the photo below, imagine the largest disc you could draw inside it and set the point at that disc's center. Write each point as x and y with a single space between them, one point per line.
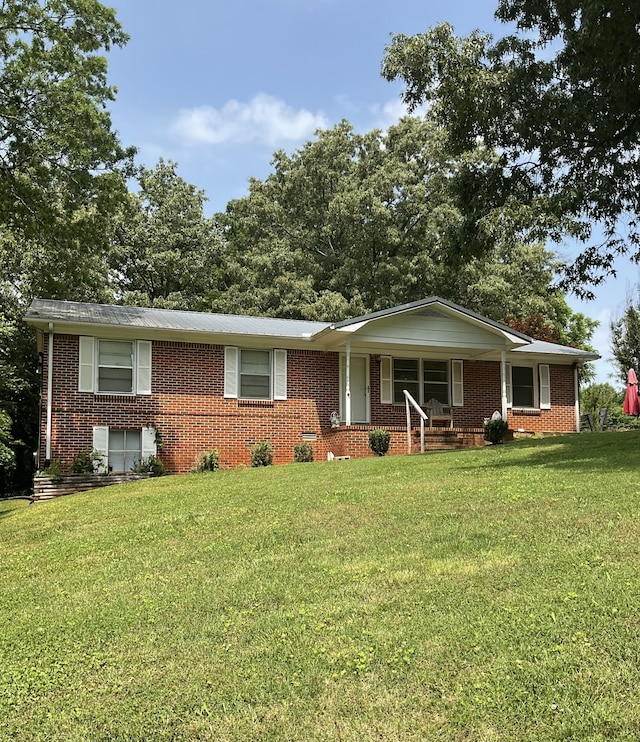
347 387
503 381
47 453
576 385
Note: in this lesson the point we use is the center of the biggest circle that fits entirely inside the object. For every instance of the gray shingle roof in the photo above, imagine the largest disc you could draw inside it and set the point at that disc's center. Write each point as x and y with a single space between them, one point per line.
169 319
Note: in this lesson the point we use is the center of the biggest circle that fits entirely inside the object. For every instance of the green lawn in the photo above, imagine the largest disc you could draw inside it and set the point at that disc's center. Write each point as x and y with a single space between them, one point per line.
489 594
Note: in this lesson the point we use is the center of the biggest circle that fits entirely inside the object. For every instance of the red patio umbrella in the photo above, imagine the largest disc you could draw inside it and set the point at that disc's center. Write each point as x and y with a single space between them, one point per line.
631 402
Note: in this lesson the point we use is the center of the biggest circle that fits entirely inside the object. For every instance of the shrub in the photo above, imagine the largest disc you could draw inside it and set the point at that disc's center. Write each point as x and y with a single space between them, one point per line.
495 430
379 441
54 470
86 462
262 454
151 466
303 453
209 461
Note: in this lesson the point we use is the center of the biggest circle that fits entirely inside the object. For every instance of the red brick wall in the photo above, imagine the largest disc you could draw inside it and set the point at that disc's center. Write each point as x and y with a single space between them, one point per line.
191 415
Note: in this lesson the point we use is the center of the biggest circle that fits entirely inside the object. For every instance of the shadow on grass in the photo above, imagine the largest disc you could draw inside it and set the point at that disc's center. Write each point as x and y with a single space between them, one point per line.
595 452
10 506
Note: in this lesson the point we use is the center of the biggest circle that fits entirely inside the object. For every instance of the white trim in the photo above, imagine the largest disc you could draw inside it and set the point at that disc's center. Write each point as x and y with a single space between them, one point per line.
101 445
49 394
148 445
544 379
231 371
342 373
347 387
505 381
143 364
86 361
386 380
279 373
576 391
457 384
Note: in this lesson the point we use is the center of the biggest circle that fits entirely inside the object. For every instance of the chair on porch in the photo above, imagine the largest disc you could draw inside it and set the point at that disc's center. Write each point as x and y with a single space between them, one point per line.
438 412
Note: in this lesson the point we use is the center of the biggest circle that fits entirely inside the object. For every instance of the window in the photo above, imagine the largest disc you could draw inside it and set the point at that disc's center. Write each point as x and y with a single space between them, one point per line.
125 449
255 374
423 378
522 386
435 376
115 366
405 376
121 449
529 387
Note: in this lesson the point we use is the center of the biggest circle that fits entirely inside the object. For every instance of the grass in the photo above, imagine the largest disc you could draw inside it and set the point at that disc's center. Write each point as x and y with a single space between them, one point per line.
480 595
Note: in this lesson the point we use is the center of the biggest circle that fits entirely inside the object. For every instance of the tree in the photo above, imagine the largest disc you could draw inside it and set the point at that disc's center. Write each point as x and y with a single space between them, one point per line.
625 341
559 99
164 251
57 148
62 175
353 223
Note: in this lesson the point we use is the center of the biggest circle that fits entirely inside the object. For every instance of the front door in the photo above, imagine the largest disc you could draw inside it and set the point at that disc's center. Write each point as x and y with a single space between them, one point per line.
359 365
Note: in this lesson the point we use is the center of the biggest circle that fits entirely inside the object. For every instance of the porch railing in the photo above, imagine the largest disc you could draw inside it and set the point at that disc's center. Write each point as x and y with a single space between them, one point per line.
409 400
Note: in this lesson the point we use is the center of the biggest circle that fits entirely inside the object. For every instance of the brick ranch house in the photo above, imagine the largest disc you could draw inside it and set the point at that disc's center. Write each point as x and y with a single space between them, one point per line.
119 379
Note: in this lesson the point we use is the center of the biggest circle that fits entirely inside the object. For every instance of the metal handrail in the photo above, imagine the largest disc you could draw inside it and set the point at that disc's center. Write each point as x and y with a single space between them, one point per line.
423 416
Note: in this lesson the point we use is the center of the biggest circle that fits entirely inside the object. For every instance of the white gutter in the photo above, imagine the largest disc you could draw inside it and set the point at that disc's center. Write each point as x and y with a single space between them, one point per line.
47 454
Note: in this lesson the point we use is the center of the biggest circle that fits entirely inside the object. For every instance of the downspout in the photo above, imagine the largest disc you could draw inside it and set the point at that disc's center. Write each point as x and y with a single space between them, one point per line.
47 454
347 387
576 382
503 382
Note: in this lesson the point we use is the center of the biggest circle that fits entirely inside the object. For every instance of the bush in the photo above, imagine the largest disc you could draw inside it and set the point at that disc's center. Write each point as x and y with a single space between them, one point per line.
379 441
495 430
303 453
262 454
54 470
86 462
209 461
151 466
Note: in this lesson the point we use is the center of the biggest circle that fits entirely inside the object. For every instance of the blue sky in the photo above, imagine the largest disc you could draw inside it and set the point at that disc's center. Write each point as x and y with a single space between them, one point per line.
219 86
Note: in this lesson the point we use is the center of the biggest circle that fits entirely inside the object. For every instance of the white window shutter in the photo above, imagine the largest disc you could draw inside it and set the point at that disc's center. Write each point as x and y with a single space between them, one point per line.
545 387
457 386
86 372
101 445
279 374
386 382
509 386
231 371
143 371
148 443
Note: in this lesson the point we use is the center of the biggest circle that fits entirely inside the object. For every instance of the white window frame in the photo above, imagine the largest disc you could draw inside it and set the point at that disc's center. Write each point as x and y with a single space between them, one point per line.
541 386
148 443
277 373
98 366
455 379
89 370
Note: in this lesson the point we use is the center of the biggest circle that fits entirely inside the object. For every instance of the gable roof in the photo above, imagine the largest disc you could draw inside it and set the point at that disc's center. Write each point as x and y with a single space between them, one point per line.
423 304
84 318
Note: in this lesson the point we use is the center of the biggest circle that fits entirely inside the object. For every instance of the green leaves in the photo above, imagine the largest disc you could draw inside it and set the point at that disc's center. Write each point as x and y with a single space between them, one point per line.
559 99
164 251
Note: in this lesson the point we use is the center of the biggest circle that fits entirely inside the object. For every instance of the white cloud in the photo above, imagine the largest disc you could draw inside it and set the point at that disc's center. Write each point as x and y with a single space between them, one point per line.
264 119
389 113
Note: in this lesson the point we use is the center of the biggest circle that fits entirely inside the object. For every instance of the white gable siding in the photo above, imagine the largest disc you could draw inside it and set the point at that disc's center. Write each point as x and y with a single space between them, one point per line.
438 331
